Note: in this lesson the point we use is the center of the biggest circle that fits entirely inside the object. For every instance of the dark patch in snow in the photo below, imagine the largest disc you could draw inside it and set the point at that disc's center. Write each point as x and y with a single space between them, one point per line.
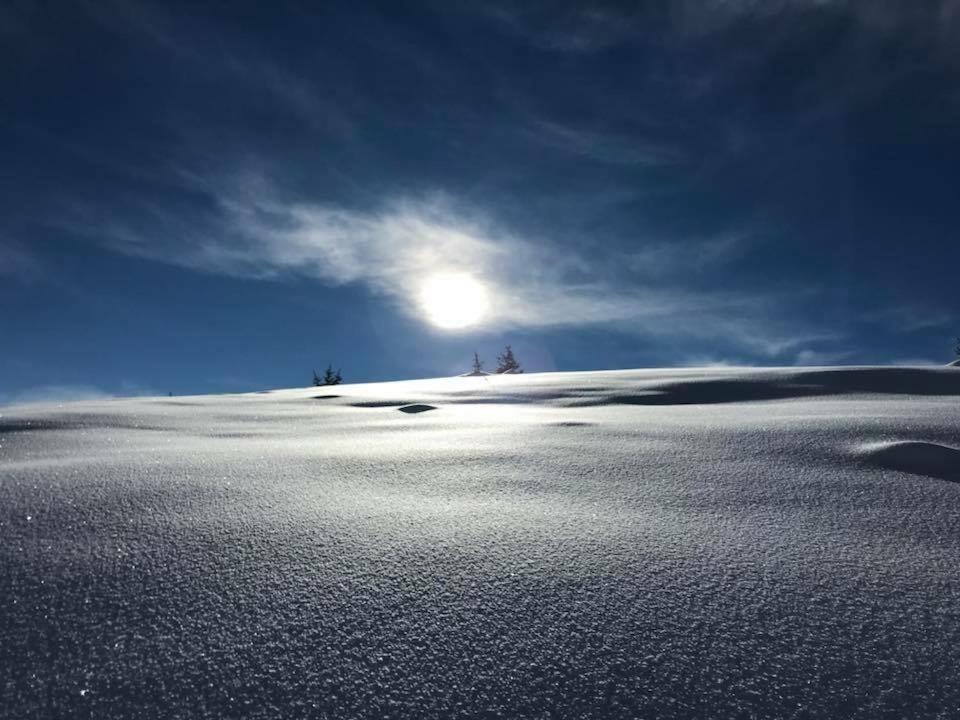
571 423
326 397
73 422
416 408
507 399
752 387
532 396
707 392
380 403
17 426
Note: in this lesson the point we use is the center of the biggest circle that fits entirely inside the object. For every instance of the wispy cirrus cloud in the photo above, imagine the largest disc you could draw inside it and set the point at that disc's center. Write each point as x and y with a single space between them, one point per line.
709 361
69 392
19 264
691 256
54 394
606 147
910 318
810 357
254 231
598 26
227 57
579 29
654 283
246 226
916 362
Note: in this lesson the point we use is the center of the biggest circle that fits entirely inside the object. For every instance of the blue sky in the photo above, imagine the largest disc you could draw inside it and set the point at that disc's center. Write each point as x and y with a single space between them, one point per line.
217 197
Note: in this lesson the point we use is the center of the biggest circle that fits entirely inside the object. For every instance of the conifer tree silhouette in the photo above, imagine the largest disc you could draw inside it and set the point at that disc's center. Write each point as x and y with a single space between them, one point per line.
330 377
506 362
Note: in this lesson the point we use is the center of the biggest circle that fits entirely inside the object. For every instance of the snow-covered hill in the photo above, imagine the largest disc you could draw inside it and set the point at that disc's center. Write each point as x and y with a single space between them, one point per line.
662 543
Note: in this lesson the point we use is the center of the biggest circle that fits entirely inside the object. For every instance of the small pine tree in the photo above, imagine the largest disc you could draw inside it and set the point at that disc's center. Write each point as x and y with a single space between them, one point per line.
316 379
330 377
506 362
477 364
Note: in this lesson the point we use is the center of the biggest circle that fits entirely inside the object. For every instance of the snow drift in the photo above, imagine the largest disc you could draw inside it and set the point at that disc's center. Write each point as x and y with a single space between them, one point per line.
663 543
919 458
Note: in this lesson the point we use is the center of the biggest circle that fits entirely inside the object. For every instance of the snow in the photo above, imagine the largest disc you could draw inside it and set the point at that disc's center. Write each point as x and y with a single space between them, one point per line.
920 458
651 543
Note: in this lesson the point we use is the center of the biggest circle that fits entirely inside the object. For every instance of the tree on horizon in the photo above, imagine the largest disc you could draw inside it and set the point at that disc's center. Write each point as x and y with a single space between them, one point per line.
332 378
329 377
477 364
507 363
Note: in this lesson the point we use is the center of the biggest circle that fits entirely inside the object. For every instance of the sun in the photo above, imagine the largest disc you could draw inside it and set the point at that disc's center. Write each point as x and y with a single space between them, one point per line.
453 300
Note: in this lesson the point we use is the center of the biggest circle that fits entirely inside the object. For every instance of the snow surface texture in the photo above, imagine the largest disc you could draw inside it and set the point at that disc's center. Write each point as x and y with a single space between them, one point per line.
669 544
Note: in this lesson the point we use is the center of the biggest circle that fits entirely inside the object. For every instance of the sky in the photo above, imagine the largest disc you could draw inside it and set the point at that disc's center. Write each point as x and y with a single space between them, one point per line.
202 197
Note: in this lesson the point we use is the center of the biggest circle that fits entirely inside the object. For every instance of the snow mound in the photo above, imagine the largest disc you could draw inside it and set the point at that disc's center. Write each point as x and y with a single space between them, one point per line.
666 387
955 363
916 458
781 385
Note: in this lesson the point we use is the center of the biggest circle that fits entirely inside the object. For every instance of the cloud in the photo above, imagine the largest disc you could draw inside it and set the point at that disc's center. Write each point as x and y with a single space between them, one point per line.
582 30
813 358
19 264
50 394
692 256
244 225
916 362
709 361
253 231
55 394
932 25
224 57
606 147
595 27
909 318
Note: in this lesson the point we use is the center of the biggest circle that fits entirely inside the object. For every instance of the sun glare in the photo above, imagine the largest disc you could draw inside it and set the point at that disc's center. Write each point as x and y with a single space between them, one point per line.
453 300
